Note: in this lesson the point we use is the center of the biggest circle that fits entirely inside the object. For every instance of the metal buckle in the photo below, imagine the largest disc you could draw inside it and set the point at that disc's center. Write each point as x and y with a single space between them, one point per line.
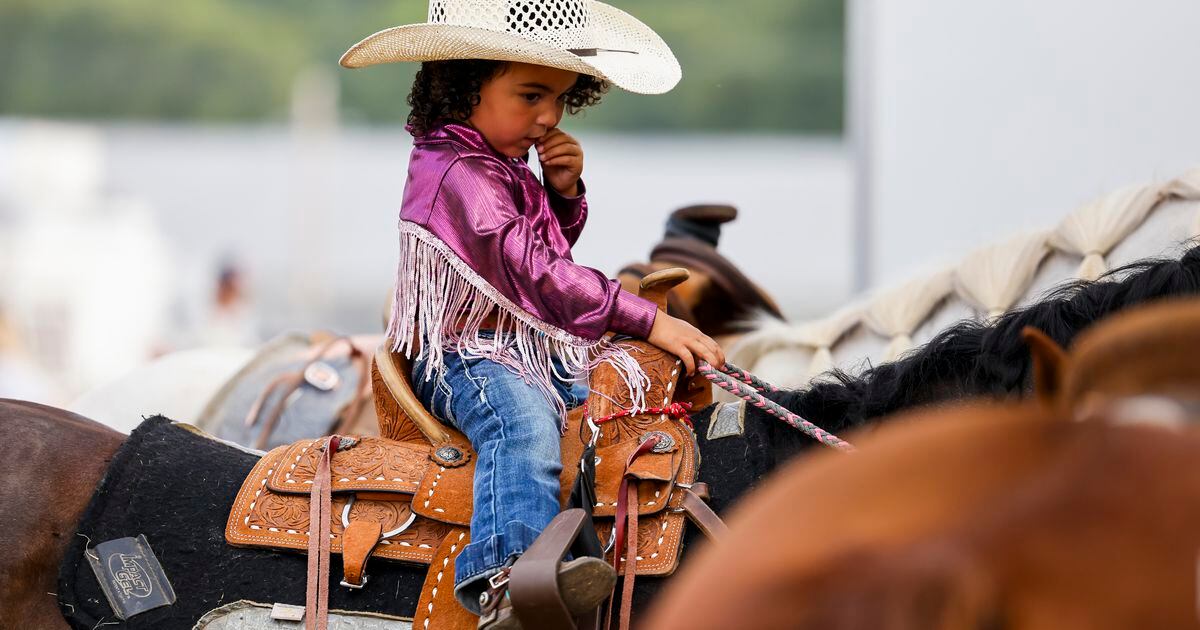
496 580
355 586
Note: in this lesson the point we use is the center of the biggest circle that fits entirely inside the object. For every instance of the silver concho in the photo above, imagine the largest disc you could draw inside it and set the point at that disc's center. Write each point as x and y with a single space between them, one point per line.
665 441
449 454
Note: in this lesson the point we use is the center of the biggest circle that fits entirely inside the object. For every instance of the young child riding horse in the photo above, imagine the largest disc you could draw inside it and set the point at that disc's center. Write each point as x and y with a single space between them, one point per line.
504 323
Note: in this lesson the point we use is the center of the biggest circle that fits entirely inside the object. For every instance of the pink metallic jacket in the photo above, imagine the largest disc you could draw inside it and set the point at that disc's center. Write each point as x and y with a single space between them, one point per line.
485 247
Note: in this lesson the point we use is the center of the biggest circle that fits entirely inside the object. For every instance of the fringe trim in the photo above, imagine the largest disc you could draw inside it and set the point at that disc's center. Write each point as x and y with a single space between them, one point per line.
436 290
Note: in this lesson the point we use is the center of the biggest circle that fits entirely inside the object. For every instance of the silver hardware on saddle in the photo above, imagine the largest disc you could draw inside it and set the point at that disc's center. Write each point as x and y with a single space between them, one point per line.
322 376
449 454
355 586
665 441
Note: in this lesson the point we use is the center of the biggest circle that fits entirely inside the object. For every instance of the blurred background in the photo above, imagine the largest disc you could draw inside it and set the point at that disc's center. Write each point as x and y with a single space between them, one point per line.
200 174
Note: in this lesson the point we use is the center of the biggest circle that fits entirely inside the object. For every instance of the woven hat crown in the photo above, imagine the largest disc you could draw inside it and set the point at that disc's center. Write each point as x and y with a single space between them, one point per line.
584 36
562 24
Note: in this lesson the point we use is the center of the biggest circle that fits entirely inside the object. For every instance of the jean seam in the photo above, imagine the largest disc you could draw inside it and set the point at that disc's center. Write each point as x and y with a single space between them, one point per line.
448 392
478 381
491 473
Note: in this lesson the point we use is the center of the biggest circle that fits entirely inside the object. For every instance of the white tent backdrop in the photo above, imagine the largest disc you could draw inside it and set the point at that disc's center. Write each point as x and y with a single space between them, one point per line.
979 119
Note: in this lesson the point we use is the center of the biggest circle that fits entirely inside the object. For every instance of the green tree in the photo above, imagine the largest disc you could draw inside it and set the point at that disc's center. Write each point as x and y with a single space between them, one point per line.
759 64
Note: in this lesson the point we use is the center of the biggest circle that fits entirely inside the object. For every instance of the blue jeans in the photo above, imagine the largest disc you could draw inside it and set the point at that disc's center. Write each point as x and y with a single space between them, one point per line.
514 431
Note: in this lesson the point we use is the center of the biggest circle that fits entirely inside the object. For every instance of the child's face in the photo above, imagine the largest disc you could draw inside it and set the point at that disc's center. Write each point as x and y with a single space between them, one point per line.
519 105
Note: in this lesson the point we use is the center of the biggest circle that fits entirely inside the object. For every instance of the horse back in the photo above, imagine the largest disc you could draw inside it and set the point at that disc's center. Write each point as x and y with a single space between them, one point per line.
54 461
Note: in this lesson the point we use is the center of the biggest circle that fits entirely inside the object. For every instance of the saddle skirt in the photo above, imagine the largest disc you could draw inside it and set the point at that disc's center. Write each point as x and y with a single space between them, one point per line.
419 493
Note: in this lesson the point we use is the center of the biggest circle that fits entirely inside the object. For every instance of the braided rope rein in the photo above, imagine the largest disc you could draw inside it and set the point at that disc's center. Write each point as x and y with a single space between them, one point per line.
750 388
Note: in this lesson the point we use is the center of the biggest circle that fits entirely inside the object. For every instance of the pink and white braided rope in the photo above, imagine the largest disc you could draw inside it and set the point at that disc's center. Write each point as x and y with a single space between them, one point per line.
750 388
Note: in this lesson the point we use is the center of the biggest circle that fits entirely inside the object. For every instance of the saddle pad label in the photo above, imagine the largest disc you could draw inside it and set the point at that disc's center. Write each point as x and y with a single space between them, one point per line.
132 579
728 420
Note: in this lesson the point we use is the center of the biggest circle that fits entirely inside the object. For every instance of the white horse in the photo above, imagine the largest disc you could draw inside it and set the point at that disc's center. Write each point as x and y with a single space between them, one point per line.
177 385
1134 223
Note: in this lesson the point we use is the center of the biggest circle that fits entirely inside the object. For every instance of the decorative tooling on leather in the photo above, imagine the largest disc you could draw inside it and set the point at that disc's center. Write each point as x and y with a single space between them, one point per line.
393 422
262 517
272 506
663 370
371 464
659 542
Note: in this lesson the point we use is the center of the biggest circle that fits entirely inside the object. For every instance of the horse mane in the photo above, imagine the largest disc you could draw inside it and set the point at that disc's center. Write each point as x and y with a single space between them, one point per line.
989 359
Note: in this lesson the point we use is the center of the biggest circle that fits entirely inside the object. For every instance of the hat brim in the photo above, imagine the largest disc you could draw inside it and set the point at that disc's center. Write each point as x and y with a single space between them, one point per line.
648 68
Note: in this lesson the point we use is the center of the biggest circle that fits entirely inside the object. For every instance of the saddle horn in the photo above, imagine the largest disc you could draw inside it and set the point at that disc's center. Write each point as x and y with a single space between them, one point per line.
655 286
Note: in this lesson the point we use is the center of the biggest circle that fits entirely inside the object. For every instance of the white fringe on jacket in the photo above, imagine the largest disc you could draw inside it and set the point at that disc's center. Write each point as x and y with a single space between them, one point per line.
437 293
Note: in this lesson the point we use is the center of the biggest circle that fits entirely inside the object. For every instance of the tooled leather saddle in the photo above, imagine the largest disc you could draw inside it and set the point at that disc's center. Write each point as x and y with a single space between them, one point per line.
407 495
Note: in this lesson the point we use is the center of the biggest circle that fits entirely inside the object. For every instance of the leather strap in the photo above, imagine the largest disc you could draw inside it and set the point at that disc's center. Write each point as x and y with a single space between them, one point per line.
533 579
358 541
630 558
626 515
623 501
353 408
293 382
699 513
316 606
256 408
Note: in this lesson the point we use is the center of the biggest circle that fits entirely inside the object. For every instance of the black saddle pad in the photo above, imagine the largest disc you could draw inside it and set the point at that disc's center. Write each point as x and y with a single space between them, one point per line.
175 487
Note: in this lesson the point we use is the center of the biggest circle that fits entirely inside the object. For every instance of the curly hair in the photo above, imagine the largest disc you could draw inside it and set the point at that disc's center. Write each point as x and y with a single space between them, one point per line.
449 90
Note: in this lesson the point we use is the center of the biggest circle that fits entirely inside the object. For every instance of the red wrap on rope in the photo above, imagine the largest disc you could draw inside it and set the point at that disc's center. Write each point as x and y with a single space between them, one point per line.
675 411
749 388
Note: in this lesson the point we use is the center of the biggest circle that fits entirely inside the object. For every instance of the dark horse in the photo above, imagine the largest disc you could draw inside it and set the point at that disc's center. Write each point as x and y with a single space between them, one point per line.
56 459
60 458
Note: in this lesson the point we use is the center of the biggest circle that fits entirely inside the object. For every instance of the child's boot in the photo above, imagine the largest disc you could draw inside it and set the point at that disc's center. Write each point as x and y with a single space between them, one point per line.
583 582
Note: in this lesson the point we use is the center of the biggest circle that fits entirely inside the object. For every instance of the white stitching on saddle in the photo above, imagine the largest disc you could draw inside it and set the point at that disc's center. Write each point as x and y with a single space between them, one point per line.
441 469
287 478
445 561
261 485
288 475
241 536
670 384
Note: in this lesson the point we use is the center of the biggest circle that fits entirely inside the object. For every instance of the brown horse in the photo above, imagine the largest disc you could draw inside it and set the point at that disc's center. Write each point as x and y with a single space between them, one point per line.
1132 359
965 518
990 517
54 461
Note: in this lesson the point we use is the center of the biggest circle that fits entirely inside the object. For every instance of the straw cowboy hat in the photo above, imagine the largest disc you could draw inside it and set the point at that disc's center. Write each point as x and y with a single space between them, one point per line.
583 36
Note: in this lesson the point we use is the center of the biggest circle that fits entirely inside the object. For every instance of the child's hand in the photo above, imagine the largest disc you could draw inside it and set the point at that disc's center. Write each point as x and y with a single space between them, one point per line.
562 161
685 341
